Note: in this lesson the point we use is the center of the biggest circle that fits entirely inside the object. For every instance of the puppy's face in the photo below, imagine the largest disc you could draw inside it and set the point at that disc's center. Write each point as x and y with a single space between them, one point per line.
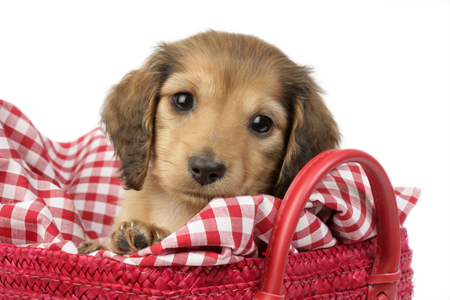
217 114
219 132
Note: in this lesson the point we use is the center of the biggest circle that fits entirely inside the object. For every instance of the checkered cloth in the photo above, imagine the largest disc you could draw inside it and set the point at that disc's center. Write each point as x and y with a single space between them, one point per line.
55 195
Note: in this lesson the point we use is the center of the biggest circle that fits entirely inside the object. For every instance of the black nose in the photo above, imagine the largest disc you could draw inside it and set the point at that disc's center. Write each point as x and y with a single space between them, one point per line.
206 170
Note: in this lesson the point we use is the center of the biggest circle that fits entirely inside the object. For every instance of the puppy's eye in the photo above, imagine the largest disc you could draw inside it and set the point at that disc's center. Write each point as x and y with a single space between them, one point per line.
183 101
262 124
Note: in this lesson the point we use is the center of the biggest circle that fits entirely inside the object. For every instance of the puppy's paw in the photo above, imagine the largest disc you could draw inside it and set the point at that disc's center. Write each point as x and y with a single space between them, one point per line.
133 236
89 247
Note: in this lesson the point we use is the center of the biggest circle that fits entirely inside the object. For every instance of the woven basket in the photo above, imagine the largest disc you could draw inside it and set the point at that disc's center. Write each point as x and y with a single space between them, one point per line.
341 272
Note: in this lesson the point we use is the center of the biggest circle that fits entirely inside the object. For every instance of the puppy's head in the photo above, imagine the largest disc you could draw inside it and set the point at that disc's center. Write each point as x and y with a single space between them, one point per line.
217 114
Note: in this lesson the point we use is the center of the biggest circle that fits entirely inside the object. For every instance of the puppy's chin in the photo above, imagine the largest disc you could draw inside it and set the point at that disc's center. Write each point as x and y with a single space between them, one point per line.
202 195
196 197
192 201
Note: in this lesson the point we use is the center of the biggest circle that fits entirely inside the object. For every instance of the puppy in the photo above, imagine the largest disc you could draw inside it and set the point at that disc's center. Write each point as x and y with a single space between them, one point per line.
213 115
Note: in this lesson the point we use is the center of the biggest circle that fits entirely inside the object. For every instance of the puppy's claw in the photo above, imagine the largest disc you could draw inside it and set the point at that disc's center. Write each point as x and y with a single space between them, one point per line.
159 234
126 225
133 236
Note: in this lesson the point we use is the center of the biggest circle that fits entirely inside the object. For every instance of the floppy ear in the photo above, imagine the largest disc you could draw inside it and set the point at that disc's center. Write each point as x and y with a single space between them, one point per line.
128 115
313 128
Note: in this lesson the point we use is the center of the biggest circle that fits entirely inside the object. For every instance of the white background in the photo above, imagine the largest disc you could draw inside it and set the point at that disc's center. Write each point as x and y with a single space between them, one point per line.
383 64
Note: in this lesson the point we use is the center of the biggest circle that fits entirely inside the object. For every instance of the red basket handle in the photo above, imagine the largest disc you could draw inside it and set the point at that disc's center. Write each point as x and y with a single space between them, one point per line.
385 272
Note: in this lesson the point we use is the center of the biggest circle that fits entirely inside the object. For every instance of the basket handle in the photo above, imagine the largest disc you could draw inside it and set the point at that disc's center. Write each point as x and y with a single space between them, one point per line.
385 272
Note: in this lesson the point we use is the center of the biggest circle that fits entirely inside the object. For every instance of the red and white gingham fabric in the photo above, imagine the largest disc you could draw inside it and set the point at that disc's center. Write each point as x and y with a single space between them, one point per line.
55 195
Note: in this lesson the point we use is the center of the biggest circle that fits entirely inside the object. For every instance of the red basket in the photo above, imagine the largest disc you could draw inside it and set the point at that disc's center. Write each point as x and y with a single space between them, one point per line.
379 268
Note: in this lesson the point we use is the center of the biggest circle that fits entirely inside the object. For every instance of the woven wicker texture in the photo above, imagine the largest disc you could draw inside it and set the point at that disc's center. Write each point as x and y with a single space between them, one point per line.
334 273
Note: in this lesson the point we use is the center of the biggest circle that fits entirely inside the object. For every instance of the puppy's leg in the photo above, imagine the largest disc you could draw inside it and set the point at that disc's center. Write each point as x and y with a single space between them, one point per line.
135 235
89 247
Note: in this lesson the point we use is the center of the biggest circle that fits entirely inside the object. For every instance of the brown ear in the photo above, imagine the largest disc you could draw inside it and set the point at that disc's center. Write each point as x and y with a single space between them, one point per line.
313 128
128 115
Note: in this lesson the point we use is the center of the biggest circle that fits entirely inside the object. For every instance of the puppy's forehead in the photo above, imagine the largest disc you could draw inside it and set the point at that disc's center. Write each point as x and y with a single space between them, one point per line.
223 75
228 62
213 80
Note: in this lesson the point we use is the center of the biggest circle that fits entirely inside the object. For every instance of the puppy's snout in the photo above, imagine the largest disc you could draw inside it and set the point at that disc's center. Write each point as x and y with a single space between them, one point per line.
206 170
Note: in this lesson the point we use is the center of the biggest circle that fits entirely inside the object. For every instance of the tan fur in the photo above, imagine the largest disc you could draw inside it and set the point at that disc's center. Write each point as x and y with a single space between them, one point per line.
233 78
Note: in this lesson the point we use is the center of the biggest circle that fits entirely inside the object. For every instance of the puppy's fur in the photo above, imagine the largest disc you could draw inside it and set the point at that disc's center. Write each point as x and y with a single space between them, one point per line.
233 80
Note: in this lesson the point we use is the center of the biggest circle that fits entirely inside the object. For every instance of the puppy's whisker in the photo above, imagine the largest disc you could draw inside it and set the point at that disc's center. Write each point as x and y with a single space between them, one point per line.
167 161
179 139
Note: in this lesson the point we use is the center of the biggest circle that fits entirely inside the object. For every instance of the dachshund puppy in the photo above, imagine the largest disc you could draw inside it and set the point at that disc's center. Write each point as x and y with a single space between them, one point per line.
213 115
